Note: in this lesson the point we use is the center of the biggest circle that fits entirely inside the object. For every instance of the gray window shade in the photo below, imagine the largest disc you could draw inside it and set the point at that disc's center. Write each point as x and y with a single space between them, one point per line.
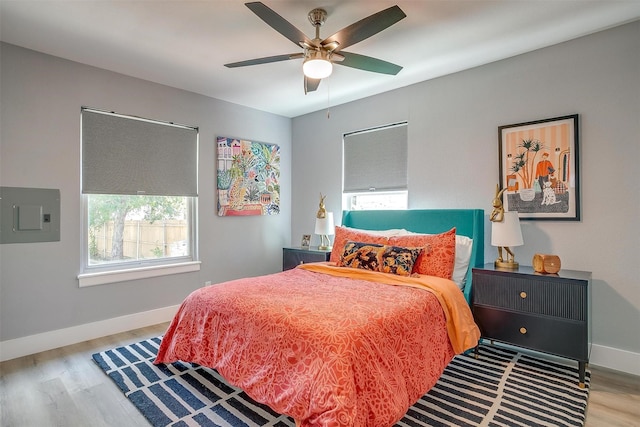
376 160
128 155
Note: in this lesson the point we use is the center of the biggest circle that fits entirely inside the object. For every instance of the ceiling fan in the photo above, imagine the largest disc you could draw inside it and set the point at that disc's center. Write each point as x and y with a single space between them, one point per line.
320 55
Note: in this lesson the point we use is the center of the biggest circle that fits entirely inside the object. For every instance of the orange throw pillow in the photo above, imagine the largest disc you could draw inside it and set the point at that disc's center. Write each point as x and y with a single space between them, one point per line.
344 234
440 260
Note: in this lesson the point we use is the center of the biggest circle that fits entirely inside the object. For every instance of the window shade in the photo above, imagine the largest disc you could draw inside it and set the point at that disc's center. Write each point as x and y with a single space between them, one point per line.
376 160
129 155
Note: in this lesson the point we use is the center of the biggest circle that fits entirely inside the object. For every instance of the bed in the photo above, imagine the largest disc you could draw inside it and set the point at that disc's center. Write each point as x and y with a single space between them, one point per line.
340 345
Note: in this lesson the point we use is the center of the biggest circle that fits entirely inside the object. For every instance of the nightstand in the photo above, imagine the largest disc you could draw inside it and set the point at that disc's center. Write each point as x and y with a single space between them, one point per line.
550 313
294 256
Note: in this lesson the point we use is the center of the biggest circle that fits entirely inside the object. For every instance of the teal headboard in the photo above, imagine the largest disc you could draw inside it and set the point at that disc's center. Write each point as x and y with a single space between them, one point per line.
468 222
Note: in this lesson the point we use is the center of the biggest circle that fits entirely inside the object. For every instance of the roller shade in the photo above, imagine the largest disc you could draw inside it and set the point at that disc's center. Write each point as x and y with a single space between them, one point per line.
129 155
376 159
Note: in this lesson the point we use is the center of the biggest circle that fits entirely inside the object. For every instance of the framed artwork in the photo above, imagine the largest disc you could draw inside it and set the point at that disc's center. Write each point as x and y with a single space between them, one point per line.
539 168
306 241
248 181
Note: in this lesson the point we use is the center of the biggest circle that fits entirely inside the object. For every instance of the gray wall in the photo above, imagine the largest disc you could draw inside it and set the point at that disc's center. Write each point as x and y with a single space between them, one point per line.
40 147
453 124
453 157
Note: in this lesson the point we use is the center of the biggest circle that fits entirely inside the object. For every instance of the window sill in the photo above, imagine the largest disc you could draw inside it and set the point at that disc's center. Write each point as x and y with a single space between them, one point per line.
104 277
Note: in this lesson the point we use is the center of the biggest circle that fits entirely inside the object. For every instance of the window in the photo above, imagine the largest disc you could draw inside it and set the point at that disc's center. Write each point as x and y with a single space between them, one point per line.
375 168
375 201
139 190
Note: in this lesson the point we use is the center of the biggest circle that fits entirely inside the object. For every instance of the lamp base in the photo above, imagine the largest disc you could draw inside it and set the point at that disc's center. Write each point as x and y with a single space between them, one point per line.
510 265
324 246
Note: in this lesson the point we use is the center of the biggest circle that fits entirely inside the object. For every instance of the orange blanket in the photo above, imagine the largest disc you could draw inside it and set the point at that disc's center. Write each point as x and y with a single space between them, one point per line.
324 349
462 329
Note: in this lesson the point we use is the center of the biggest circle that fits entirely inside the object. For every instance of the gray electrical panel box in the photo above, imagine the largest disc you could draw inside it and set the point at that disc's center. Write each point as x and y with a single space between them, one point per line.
29 215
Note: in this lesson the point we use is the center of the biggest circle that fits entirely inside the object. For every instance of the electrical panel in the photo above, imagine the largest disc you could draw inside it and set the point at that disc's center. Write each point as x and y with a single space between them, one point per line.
29 215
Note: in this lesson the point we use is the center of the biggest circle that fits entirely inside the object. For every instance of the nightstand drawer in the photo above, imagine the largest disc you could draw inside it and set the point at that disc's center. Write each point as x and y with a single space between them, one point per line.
532 294
291 257
561 337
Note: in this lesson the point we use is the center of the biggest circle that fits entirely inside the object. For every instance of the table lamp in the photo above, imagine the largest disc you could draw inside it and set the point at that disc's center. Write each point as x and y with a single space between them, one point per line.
325 228
506 234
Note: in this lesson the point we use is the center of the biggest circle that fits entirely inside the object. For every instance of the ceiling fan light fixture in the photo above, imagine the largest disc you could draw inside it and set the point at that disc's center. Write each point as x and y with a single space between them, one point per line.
319 54
316 66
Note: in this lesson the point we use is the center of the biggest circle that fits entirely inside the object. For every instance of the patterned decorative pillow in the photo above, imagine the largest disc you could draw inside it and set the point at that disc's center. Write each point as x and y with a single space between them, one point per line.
344 234
440 260
382 258
399 260
361 255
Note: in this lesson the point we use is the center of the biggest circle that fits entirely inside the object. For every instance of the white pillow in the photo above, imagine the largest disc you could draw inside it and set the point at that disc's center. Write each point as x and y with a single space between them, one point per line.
386 233
464 245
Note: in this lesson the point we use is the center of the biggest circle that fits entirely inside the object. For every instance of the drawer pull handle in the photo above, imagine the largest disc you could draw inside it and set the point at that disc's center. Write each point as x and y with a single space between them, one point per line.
523 330
523 295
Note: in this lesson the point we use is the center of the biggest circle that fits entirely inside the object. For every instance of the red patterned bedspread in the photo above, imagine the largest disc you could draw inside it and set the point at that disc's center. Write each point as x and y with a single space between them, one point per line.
326 350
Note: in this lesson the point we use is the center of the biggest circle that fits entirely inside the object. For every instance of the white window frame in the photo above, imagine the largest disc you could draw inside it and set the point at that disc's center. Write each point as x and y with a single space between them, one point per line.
93 275
349 200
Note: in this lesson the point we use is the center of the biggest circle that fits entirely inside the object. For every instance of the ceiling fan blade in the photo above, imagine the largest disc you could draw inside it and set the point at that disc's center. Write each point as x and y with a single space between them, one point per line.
366 27
278 23
368 63
310 84
265 60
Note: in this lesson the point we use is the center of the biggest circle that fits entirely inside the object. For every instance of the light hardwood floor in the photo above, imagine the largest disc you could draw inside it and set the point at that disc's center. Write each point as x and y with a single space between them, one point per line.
63 387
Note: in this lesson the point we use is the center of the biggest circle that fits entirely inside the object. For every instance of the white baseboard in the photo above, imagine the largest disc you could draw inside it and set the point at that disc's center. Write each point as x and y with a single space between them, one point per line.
32 344
616 359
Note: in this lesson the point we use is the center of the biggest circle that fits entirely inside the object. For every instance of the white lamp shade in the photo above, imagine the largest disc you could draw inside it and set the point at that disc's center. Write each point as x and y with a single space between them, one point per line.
325 226
317 67
508 232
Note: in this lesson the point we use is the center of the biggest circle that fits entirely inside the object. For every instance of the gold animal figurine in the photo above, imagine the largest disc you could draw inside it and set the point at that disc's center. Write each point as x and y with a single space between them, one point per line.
322 212
497 214
510 256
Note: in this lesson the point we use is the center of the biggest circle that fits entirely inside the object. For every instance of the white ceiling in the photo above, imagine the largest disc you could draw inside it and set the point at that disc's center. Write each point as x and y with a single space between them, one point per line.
184 44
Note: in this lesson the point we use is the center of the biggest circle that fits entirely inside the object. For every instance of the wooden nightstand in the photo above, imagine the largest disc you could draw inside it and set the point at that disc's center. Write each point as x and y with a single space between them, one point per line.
550 313
294 256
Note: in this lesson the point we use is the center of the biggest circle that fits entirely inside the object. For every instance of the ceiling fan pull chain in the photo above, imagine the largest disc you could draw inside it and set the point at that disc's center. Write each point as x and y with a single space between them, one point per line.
328 99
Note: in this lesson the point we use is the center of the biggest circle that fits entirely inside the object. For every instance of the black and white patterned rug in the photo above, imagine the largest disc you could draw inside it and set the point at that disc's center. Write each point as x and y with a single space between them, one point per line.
500 388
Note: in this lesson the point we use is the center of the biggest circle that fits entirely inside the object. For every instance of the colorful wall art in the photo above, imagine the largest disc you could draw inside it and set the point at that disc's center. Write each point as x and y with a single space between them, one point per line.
248 177
539 168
